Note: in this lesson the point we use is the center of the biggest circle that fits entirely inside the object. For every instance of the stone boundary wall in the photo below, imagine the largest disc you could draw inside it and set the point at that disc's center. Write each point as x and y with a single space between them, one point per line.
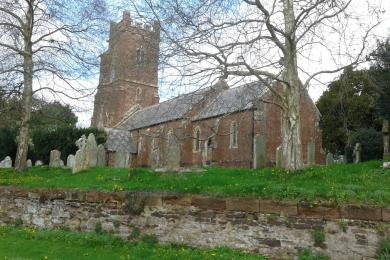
276 229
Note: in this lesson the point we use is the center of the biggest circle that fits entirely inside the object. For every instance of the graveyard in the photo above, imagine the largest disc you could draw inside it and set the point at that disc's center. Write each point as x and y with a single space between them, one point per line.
363 183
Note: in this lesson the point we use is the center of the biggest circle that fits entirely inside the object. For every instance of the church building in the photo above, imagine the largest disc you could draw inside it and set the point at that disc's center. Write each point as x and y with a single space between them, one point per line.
215 125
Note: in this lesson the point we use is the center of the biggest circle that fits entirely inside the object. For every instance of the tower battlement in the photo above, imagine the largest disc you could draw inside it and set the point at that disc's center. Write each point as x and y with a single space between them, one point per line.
126 24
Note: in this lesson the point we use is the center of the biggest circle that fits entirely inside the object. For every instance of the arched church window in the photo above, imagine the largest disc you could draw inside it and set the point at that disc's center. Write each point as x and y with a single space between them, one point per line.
197 141
233 135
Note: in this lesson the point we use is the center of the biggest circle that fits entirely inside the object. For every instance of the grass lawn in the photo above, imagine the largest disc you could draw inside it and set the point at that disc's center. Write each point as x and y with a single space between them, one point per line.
364 183
27 243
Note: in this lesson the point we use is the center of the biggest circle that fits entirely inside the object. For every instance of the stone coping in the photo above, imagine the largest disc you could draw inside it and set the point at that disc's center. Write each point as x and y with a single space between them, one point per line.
250 205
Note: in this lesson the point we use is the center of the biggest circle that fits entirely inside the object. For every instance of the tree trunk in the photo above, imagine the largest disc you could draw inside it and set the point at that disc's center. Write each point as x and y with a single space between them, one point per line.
291 131
291 120
23 138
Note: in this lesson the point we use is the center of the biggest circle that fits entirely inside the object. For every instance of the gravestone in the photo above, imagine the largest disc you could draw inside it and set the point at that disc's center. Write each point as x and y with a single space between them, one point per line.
279 157
101 156
155 154
329 159
386 144
80 157
70 161
38 163
341 159
28 163
55 159
6 163
91 150
357 150
311 153
121 159
173 154
260 151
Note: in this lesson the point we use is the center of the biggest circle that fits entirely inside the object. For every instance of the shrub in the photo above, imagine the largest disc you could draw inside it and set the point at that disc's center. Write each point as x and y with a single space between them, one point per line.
135 233
307 254
384 250
98 228
150 239
371 142
18 222
343 225
62 139
117 223
7 142
319 237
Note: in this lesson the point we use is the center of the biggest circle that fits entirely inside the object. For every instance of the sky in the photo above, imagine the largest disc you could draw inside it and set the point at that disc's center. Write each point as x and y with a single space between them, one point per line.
84 108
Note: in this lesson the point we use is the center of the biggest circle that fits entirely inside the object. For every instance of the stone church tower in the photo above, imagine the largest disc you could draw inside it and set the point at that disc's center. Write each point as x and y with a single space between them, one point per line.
128 72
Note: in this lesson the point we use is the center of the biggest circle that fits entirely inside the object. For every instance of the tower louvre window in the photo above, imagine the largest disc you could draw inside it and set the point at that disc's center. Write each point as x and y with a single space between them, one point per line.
140 56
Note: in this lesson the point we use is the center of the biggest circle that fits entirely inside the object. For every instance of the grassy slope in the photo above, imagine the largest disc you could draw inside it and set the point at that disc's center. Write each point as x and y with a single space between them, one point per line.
27 243
362 183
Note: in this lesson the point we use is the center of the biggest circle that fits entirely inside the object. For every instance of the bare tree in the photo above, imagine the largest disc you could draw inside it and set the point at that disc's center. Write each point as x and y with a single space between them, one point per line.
268 41
47 45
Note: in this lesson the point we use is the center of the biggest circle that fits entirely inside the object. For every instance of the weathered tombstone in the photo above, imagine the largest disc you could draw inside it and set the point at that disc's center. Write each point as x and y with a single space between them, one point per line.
101 156
6 163
38 163
260 153
329 159
155 154
173 153
386 144
91 151
80 157
55 159
121 159
341 159
70 161
357 150
29 163
279 157
311 153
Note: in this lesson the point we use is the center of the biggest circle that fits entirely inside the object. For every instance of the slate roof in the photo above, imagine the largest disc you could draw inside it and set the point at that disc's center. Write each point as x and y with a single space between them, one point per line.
169 110
120 140
232 100
229 100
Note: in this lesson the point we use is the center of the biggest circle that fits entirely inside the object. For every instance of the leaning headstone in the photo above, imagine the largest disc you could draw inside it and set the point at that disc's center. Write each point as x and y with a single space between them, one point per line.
91 150
55 159
6 163
329 159
357 150
28 163
80 157
386 144
121 159
311 153
101 156
279 157
70 161
260 153
38 163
